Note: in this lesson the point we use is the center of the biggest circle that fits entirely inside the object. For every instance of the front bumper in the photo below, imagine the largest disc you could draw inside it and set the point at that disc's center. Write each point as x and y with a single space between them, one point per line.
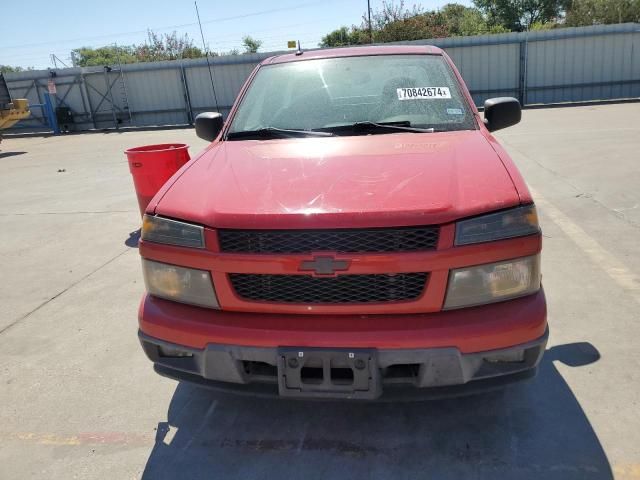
470 330
404 373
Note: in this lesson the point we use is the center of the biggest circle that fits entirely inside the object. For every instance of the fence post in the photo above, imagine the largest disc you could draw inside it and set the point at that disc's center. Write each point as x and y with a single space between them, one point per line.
522 71
107 83
86 94
187 96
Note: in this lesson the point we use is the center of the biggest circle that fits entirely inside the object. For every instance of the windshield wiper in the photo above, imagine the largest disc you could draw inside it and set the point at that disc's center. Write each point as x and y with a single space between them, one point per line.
374 126
274 132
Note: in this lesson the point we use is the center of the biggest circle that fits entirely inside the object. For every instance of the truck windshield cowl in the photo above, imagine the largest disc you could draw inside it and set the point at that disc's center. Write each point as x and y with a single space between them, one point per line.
368 128
273 132
373 94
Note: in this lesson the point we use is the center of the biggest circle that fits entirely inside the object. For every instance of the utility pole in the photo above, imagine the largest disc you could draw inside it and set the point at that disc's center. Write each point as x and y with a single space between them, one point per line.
206 52
55 59
369 15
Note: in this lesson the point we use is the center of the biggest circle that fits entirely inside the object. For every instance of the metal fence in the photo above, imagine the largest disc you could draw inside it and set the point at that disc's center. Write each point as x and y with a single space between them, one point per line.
564 65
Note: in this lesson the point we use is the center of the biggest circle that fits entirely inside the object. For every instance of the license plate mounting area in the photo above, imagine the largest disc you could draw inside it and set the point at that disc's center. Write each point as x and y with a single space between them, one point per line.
328 373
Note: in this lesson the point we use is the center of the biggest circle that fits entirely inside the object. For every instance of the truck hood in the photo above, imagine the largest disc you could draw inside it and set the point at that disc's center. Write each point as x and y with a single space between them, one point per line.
359 181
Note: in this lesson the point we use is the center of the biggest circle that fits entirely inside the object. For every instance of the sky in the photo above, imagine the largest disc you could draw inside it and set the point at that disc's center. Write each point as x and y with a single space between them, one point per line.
59 27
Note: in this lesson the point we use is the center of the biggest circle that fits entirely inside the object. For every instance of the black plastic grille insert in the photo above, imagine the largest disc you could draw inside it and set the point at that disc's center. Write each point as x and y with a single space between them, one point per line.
339 289
397 239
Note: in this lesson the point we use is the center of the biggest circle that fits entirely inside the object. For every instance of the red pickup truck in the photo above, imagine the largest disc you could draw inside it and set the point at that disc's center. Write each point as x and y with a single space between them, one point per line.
352 231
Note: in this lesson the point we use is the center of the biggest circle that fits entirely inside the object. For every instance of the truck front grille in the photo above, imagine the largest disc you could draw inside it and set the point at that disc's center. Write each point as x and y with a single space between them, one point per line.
340 289
397 239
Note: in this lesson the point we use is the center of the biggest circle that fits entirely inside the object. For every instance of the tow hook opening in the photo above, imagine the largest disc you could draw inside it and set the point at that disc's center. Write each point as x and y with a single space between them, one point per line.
311 375
170 352
517 356
342 376
399 371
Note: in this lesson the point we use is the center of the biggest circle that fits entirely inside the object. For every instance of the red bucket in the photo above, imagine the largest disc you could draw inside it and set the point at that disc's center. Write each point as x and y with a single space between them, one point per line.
152 165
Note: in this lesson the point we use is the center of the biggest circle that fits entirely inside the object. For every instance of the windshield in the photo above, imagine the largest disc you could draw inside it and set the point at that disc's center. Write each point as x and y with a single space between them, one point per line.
414 90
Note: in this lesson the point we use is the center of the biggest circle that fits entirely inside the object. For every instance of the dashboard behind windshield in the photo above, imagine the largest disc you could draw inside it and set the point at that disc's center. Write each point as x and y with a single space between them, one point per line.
333 92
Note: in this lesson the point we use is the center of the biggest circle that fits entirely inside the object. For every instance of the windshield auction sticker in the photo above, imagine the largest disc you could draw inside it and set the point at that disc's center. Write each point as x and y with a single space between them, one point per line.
423 93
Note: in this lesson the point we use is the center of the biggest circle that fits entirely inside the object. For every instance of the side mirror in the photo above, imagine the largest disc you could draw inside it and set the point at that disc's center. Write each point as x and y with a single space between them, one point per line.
501 112
209 125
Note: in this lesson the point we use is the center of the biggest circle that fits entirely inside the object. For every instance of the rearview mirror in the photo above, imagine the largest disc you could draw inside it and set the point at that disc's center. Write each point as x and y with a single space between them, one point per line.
501 112
209 125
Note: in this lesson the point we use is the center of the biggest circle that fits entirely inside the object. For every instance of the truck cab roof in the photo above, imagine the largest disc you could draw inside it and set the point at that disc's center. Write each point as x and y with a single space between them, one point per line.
354 52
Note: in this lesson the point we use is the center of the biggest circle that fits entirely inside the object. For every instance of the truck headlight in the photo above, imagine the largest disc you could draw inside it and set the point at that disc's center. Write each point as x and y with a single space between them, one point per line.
515 222
181 284
493 282
172 232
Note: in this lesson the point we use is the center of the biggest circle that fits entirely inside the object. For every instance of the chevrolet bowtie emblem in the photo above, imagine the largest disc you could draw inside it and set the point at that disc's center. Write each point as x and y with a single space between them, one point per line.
324 265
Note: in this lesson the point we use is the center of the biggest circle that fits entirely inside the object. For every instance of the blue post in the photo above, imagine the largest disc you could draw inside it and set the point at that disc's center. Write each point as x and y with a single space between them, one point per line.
51 116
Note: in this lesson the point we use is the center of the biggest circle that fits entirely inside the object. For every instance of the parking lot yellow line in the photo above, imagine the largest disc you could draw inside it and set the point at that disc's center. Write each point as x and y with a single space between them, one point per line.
43 438
613 267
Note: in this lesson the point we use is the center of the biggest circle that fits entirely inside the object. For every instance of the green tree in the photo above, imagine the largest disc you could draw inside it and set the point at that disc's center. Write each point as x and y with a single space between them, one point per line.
345 36
109 55
250 44
538 26
168 46
520 15
590 12
462 21
392 23
10 69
